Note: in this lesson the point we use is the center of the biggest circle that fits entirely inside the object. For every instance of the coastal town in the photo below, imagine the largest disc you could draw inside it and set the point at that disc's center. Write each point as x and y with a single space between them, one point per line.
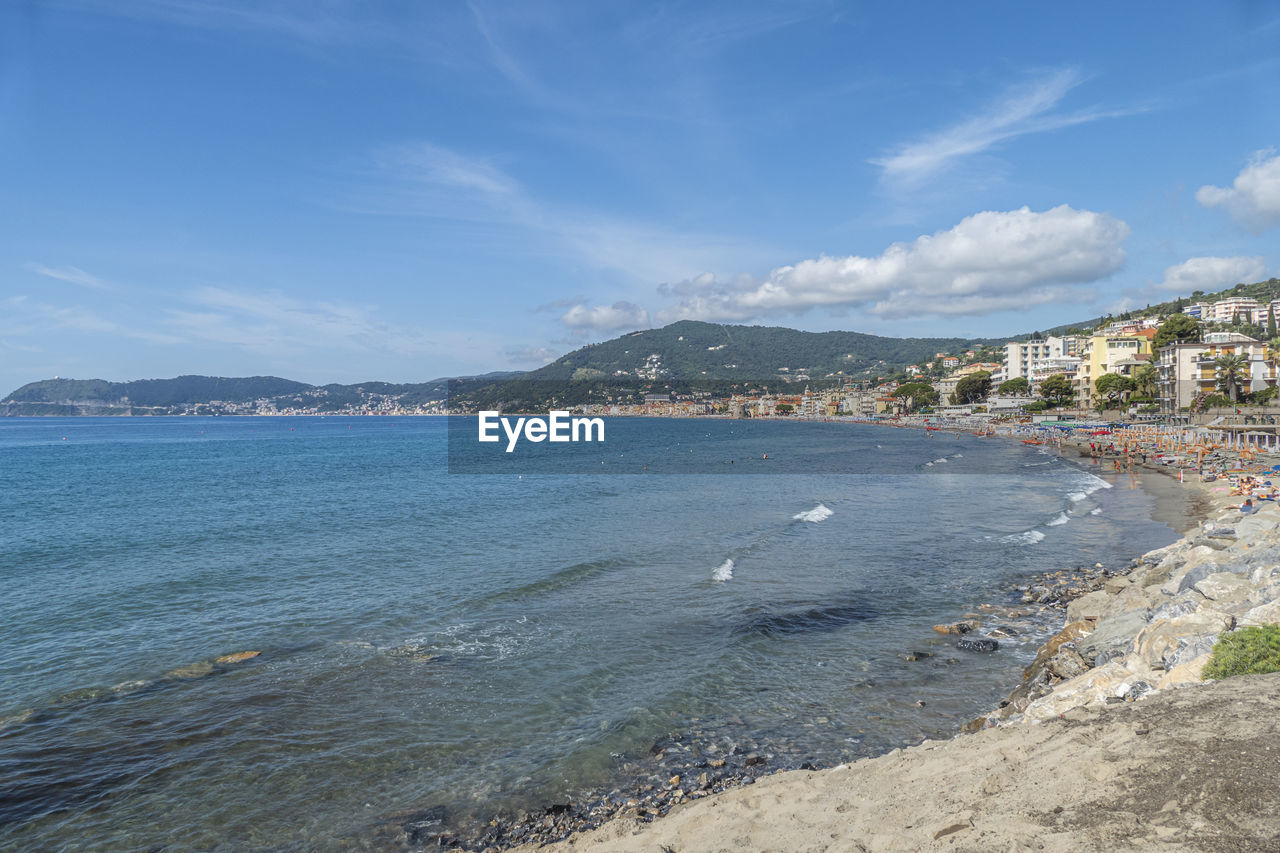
1200 360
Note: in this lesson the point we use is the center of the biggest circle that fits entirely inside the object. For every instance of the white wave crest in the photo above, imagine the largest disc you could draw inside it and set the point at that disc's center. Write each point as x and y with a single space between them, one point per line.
723 572
1062 518
1028 537
818 513
1076 497
1095 511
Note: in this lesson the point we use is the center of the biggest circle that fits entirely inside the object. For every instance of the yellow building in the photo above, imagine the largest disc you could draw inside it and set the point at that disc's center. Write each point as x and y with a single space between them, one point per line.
1102 354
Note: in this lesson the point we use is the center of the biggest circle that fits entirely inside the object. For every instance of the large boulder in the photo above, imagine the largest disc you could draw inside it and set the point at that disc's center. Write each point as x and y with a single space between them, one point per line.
1225 587
1184 675
1067 664
1100 605
1114 634
1187 602
1094 687
1167 643
1263 614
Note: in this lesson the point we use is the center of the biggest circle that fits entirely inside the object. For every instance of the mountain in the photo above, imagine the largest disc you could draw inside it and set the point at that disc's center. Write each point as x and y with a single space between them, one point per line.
696 357
220 395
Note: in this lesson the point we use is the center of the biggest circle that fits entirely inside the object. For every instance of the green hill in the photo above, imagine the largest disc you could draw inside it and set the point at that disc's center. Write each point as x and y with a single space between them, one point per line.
714 359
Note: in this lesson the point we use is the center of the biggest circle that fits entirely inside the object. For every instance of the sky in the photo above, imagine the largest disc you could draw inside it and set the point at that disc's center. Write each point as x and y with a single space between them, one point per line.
340 191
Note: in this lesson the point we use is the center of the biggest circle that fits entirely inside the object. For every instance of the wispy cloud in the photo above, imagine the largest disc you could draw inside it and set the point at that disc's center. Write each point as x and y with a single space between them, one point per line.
35 318
430 180
69 274
1022 109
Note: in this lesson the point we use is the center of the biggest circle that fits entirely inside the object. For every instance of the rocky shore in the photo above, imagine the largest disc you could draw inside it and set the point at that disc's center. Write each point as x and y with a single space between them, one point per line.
1101 747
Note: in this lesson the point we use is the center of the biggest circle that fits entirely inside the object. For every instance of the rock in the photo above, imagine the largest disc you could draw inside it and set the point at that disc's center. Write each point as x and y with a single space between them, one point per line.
977 644
915 656
1183 675
1264 614
716 762
1072 632
673 781
1067 664
1099 605
963 627
237 657
1159 642
1187 602
194 670
1225 587
754 759
1115 633
1091 688
1202 571
1002 631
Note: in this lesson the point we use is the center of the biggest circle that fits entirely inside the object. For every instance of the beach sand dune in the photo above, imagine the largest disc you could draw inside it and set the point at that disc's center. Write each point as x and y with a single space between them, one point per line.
1186 770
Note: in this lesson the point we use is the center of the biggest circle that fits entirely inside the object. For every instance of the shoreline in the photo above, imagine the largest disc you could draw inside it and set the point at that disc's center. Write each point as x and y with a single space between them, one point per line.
1070 761
682 769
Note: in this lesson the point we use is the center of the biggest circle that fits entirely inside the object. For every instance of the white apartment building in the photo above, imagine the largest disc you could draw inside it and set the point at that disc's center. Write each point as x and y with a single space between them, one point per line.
1189 370
1021 357
1226 310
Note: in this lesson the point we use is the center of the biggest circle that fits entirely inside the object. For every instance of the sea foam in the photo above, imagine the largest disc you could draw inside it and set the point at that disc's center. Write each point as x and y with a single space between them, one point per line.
1062 518
1028 537
818 513
723 572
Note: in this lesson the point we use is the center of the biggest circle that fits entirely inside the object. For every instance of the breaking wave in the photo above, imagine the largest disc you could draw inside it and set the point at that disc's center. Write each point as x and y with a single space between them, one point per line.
818 513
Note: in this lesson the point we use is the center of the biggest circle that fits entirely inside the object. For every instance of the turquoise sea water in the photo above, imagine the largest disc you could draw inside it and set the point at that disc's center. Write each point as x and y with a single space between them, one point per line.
482 642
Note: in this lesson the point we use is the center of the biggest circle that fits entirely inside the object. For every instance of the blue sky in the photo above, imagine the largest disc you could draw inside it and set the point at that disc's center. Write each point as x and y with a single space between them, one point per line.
343 191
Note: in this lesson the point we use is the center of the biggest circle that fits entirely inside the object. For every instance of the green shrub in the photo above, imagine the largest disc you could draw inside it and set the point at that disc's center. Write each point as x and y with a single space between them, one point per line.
1249 651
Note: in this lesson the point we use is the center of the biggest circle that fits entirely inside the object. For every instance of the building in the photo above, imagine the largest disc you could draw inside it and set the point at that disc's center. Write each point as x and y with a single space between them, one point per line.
1227 310
1020 357
1189 371
1104 354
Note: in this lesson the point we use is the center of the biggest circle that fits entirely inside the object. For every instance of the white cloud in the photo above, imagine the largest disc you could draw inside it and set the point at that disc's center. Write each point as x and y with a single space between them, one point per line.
1253 200
606 318
69 274
532 355
1021 110
1211 274
989 262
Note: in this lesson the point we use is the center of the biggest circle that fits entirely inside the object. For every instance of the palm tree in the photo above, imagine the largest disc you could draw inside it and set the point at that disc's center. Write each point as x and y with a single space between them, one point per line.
1144 380
1231 370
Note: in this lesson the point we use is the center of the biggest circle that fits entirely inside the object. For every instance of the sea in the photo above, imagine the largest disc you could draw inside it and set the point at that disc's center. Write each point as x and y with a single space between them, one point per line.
482 643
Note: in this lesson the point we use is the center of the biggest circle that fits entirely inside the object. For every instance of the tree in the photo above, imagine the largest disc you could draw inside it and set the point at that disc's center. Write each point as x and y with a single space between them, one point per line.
1112 387
917 395
973 388
783 409
1177 329
1144 380
1232 369
1271 322
1057 390
1012 387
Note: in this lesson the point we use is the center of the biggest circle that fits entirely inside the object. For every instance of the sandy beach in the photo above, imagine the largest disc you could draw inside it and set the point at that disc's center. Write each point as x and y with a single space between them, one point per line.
1128 750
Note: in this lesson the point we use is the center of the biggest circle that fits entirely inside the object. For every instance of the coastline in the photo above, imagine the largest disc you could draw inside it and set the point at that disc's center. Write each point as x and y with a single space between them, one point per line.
1071 763
680 770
